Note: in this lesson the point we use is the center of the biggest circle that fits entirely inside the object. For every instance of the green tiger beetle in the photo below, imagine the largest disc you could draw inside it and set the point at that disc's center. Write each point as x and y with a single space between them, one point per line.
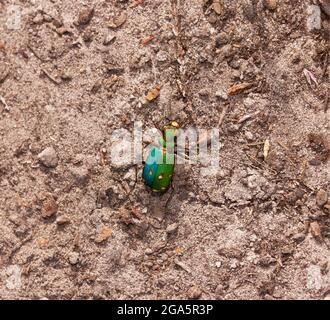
159 166
160 163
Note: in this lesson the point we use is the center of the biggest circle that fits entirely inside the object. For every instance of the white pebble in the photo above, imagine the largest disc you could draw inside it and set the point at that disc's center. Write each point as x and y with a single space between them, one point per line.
48 157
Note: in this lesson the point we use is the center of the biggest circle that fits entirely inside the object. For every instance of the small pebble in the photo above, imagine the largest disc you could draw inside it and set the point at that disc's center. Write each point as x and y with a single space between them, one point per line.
222 94
226 50
327 207
217 7
203 92
38 19
47 18
249 136
85 16
65 75
219 290
15 219
109 38
74 258
62 220
80 175
233 127
48 157
130 175
104 233
87 36
315 229
299 237
321 198
233 264
172 228
58 23
162 56
221 40
62 30
218 264
270 4
148 251
222 173
49 208
144 210
194 293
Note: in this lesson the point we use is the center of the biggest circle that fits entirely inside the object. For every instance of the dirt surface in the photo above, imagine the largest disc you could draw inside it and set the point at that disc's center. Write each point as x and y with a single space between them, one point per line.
75 226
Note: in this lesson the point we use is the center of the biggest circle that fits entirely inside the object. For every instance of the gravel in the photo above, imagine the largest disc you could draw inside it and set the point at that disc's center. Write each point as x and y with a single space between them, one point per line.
48 157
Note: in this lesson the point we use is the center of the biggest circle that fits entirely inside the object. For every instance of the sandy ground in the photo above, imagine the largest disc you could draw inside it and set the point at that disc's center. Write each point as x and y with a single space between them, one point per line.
75 226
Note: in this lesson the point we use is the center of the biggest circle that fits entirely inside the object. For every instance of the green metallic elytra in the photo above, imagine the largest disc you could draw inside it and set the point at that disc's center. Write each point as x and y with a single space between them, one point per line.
159 166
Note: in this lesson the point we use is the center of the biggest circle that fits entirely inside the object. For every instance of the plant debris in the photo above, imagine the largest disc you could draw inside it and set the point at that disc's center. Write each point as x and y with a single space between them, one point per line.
118 21
147 40
239 88
50 77
153 94
310 77
104 234
266 148
49 208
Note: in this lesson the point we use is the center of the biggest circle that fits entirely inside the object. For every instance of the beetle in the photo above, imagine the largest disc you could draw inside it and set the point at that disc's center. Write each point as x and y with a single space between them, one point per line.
159 166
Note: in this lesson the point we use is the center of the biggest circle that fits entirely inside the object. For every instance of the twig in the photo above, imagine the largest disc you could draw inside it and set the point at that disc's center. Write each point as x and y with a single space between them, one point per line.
36 54
292 161
260 164
3 101
325 68
50 77
303 171
253 144
222 116
326 102
182 265
247 117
